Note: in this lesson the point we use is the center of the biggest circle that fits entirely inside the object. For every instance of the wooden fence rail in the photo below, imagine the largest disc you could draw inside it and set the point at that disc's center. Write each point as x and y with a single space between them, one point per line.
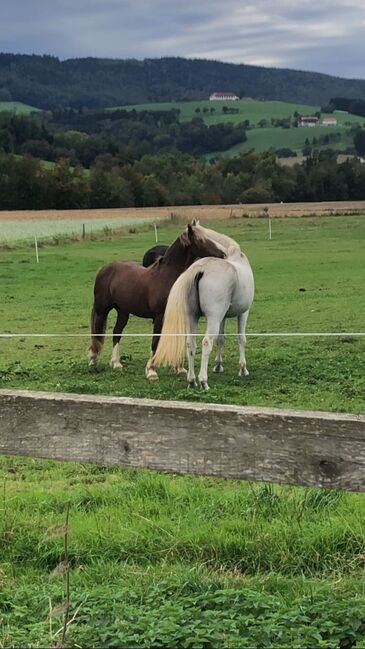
303 448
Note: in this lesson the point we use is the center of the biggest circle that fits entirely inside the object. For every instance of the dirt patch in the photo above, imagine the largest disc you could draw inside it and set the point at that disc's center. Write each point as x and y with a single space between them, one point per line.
204 212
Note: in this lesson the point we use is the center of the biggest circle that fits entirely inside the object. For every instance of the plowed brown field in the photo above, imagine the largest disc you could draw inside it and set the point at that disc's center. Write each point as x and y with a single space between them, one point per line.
204 212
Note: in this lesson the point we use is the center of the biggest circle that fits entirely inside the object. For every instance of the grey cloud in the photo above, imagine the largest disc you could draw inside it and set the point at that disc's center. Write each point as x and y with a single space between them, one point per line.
283 33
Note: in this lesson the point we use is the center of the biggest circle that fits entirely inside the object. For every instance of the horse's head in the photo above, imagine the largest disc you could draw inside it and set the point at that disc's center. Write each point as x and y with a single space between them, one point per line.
201 245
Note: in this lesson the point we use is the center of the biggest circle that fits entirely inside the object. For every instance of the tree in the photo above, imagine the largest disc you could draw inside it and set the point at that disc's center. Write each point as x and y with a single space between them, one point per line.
359 142
261 192
153 193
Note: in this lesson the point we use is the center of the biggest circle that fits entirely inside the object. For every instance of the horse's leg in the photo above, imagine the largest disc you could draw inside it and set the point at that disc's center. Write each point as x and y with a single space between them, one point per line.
211 334
241 320
151 373
121 322
220 342
191 350
98 326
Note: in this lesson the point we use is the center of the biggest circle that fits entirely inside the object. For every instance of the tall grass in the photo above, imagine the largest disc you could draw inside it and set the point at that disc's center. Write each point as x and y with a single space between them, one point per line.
158 559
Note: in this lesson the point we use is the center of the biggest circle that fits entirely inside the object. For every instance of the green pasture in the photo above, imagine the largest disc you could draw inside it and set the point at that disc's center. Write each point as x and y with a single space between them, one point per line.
17 107
172 561
252 109
262 139
310 277
55 230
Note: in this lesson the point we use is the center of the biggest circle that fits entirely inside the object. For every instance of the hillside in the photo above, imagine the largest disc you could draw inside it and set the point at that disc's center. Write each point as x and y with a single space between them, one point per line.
46 82
17 107
245 109
212 112
261 135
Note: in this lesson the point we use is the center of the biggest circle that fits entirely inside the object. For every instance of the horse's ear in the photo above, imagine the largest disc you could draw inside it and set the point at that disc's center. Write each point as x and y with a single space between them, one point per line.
195 222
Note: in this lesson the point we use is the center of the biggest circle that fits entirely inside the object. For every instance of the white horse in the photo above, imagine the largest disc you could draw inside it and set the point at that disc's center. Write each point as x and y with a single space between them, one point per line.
228 245
217 289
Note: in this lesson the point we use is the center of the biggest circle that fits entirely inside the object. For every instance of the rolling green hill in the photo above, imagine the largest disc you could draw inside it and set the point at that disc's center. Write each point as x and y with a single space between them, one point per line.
261 139
252 109
249 109
17 107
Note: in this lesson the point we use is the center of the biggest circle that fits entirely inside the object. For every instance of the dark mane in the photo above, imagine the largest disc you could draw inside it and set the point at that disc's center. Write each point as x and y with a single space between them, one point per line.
171 251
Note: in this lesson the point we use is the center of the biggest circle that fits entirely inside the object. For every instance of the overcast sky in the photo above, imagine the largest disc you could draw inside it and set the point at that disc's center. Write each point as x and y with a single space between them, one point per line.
326 36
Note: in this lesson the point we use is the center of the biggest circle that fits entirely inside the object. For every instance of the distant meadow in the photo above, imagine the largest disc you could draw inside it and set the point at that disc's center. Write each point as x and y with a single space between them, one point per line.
45 229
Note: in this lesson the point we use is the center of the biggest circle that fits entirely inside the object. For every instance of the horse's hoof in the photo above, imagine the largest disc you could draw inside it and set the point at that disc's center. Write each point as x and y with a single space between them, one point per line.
116 365
218 367
152 375
243 371
181 371
93 367
192 384
204 386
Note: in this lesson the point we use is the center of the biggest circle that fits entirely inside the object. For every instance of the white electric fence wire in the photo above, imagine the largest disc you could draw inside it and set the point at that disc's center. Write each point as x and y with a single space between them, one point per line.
148 335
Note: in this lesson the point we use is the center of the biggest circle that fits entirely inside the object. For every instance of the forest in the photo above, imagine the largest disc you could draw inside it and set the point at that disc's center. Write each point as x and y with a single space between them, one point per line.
92 158
176 179
83 136
49 83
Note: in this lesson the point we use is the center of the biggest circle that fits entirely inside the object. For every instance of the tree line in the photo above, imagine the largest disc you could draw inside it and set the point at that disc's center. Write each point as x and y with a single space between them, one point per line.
48 83
82 136
176 179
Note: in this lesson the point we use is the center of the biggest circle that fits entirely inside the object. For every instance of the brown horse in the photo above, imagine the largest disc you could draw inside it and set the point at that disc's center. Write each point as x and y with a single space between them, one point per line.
132 289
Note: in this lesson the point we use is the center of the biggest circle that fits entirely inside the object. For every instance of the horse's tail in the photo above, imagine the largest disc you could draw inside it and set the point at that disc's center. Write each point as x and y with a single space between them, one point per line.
98 327
99 312
176 325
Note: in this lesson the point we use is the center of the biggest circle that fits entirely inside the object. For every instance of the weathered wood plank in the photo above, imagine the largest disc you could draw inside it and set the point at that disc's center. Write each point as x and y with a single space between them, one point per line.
304 448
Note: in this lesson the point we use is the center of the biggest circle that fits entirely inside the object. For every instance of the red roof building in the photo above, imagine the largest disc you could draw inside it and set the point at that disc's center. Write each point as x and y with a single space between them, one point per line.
308 120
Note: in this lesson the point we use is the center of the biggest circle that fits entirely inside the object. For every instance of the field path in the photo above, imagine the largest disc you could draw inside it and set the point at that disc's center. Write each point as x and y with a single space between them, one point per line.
204 212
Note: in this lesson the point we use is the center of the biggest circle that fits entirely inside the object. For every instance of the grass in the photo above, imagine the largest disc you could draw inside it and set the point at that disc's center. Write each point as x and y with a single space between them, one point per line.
262 139
310 277
158 559
252 109
19 230
169 561
17 107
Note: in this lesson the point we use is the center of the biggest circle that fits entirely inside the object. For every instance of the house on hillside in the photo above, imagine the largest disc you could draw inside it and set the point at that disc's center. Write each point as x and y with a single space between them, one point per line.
223 96
329 121
308 120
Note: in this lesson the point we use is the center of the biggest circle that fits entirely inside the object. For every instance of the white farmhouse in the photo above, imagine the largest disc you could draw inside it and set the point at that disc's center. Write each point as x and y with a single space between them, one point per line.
329 121
223 96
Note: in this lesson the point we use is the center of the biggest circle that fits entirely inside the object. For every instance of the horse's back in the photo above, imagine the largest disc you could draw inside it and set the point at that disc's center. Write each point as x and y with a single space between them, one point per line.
120 282
114 269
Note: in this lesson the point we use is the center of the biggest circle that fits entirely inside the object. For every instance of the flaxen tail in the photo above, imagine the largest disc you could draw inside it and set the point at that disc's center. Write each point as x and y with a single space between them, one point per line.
171 347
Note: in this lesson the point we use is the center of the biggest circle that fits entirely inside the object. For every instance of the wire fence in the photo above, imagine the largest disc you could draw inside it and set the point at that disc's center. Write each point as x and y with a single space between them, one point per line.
270 334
